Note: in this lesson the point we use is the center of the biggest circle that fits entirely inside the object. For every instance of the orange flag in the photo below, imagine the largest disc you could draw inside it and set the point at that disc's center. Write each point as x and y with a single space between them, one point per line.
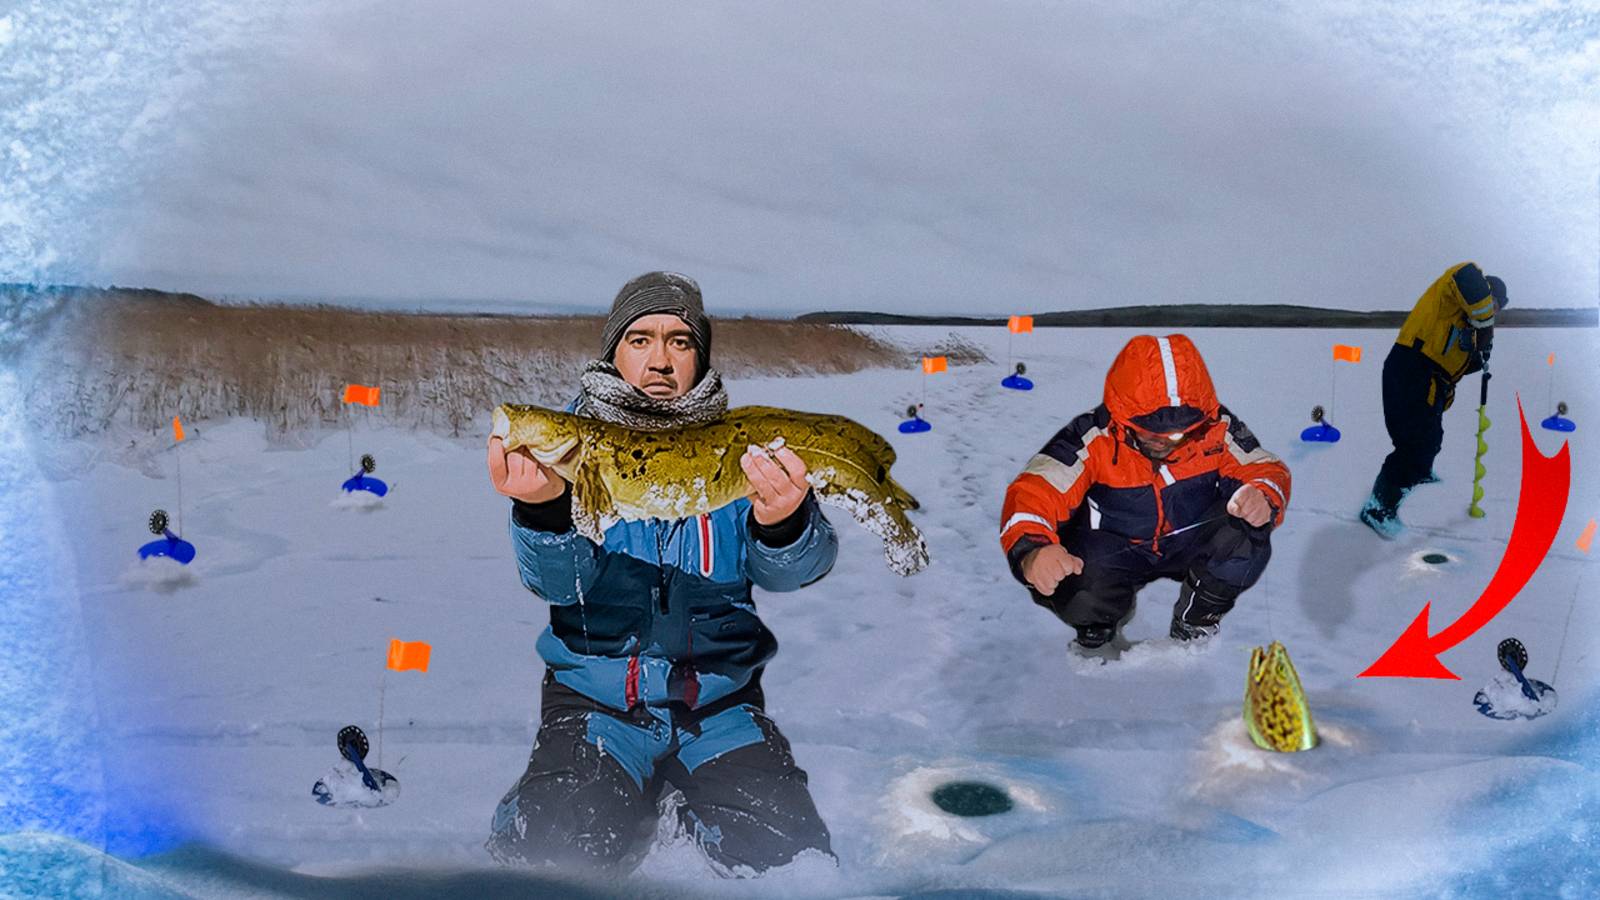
1020 324
1586 540
360 393
408 654
177 429
1347 353
931 364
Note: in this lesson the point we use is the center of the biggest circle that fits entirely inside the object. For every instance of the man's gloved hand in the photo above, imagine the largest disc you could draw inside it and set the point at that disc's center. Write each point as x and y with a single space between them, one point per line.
1483 343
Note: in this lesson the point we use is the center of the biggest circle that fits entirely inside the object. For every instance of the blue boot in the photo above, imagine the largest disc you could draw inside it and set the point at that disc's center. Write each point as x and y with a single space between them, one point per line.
1384 520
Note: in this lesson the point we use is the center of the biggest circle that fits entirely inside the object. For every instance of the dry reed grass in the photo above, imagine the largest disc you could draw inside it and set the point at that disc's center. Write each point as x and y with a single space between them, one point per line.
128 361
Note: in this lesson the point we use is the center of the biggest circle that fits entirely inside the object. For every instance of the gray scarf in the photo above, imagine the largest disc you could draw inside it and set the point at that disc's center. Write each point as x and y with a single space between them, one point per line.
609 398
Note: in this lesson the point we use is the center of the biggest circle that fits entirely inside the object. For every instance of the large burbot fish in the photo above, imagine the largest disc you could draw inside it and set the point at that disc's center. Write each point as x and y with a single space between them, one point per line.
1275 709
621 473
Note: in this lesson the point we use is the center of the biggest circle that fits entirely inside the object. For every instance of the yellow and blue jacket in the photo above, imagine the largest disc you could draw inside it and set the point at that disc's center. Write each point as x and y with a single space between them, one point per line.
1443 325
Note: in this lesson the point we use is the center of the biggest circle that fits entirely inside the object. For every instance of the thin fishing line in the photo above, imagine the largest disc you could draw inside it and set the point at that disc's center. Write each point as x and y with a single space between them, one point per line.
1563 648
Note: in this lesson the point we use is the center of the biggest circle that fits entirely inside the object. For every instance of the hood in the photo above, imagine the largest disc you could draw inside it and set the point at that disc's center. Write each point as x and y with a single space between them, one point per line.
1160 385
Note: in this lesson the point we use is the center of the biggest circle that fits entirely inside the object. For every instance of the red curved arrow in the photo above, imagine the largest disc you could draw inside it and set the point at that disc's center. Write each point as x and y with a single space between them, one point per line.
1540 507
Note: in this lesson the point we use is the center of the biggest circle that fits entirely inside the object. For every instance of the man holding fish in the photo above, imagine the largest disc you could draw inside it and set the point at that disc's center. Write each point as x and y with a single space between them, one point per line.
654 652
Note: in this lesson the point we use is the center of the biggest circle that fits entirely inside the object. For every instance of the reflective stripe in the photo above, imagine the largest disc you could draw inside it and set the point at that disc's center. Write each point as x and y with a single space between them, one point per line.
1269 483
1018 518
1060 475
1170 370
1094 514
1166 475
1481 314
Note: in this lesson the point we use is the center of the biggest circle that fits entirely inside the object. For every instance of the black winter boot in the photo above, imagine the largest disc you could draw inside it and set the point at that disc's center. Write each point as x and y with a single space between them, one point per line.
1093 636
1198 612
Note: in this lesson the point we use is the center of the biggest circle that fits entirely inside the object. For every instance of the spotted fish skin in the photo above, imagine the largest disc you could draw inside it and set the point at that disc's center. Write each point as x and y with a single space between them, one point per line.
1275 709
622 473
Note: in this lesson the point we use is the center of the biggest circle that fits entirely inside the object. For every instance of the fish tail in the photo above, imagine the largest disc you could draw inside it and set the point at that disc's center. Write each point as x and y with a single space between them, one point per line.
904 547
903 543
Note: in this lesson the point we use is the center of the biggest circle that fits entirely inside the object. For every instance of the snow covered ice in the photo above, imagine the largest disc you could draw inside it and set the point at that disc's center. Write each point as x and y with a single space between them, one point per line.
160 574
357 501
345 786
1504 696
1134 777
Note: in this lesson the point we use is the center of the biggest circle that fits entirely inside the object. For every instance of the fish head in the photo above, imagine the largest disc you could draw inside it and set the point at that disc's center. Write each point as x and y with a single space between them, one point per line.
1269 662
552 438
1258 663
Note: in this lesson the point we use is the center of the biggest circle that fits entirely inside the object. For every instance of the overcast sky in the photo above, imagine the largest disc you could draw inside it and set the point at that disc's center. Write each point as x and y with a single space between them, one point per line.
899 156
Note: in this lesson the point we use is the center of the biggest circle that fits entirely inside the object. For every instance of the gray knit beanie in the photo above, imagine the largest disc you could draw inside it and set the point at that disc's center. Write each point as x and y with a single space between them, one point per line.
660 292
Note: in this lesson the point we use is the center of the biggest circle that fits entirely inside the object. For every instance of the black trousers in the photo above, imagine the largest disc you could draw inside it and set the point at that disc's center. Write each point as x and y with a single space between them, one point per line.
588 799
1224 558
1415 395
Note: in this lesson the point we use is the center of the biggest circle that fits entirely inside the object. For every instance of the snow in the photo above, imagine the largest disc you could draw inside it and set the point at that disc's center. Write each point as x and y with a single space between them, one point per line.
1133 777
162 575
357 501
346 786
1504 697
93 104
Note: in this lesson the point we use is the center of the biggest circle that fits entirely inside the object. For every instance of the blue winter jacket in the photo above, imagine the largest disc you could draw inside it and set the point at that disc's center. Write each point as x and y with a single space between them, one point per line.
661 612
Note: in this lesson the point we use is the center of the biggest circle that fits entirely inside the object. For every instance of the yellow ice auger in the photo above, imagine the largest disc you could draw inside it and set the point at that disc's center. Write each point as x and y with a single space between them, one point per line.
1474 510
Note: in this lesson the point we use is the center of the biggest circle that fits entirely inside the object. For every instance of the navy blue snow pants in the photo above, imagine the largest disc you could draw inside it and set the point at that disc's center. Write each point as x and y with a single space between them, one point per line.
1415 395
1224 558
588 799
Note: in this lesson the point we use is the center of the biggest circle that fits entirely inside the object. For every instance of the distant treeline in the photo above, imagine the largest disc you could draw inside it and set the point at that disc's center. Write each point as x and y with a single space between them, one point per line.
1200 315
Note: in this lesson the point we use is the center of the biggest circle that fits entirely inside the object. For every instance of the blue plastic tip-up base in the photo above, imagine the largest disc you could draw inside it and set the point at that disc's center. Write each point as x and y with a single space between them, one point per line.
1016 383
361 482
1323 433
1557 423
914 426
171 546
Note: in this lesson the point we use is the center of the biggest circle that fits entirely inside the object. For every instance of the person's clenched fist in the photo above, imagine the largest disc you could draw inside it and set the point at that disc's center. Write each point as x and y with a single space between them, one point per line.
1251 505
1046 567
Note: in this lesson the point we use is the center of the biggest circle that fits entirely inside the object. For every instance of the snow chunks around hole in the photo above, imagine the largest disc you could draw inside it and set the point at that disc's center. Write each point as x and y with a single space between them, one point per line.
913 824
160 575
357 501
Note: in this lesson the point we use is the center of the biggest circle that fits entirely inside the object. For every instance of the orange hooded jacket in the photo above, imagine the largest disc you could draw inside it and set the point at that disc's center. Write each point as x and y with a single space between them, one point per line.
1093 473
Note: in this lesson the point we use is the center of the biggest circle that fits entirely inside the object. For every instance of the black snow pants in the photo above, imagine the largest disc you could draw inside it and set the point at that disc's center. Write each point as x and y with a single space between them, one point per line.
1415 394
588 799
1223 559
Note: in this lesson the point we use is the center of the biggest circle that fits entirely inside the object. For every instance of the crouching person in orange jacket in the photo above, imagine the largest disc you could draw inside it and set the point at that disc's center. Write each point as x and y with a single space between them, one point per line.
1158 481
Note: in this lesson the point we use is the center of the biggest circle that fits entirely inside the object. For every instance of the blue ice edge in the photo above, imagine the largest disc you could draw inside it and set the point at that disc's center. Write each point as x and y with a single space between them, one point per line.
56 774
35 864
1540 836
